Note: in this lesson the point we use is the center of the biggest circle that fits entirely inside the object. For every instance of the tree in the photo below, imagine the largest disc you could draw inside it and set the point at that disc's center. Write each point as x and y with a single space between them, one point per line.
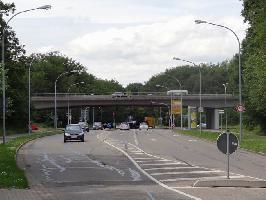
254 66
15 68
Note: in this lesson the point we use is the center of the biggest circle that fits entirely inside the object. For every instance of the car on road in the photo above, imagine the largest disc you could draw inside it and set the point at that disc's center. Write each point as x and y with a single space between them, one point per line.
84 126
124 126
73 132
144 126
118 94
203 125
97 126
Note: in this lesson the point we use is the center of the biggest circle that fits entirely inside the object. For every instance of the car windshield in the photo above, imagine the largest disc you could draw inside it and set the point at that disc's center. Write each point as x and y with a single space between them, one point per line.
97 123
73 128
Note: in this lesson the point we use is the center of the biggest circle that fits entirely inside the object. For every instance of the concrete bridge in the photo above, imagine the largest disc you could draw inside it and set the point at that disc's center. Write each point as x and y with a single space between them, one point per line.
46 101
210 102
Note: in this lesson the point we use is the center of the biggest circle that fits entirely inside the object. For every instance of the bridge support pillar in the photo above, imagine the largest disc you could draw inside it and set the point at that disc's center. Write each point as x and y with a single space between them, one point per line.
212 118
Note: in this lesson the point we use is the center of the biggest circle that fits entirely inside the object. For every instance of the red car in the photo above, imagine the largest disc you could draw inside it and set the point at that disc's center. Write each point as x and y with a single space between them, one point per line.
34 126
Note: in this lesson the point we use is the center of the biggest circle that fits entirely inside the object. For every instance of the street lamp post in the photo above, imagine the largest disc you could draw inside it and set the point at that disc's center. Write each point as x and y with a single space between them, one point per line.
180 88
225 87
46 7
200 81
164 104
239 70
171 115
55 111
68 113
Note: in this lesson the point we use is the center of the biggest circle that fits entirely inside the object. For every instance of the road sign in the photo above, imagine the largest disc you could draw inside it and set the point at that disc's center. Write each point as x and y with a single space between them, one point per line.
221 111
200 109
222 143
240 108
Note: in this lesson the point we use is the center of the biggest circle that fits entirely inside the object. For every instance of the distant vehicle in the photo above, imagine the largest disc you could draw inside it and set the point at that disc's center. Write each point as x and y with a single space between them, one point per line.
108 125
203 125
97 126
118 94
34 126
73 132
124 126
84 126
133 124
150 121
177 92
143 125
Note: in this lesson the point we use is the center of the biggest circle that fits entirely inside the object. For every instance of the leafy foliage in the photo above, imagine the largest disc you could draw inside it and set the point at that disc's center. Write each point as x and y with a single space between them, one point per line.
254 52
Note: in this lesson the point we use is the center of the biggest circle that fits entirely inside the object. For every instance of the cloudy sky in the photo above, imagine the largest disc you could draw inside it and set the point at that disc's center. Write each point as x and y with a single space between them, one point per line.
130 40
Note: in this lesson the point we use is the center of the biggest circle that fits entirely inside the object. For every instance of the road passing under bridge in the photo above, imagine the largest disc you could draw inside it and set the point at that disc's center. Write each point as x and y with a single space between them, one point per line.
46 101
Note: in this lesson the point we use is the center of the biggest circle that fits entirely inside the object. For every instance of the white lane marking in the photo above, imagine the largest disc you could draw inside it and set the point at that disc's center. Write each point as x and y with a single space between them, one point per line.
52 161
144 158
135 138
153 139
150 195
176 135
192 140
191 172
134 174
149 176
148 161
52 168
67 160
197 178
161 164
167 168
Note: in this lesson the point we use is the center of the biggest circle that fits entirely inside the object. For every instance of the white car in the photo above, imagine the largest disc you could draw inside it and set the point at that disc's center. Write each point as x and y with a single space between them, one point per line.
124 126
143 125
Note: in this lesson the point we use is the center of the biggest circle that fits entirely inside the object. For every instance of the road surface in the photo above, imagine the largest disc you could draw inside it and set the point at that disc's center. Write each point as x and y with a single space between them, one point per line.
152 165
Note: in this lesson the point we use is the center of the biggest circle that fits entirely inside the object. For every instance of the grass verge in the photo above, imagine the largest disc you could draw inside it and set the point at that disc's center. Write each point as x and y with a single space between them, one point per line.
251 141
10 175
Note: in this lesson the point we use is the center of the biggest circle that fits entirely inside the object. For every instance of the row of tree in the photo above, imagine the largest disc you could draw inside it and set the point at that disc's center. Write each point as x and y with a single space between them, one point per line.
46 68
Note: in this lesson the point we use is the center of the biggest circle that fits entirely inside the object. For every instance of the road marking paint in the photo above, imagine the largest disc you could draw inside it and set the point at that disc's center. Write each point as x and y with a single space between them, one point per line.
135 138
192 172
197 178
144 158
192 140
159 164
153 139
167 168
149 176
52 161
150 195
134 174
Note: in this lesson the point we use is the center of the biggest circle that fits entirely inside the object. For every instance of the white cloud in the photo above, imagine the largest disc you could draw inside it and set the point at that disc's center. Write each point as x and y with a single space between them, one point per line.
135 53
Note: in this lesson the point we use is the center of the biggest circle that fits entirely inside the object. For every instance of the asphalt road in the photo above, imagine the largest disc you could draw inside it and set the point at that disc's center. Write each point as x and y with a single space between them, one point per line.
154 164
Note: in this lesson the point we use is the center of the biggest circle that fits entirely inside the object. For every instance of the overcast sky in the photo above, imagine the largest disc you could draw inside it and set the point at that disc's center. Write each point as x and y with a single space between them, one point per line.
130 40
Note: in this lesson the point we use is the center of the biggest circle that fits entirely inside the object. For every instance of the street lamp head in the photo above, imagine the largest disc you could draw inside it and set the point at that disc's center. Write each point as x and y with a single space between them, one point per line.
45 7
175 58
198 21
82 82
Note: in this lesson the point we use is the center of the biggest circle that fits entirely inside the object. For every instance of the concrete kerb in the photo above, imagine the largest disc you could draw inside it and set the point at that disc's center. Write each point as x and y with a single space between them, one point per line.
230 183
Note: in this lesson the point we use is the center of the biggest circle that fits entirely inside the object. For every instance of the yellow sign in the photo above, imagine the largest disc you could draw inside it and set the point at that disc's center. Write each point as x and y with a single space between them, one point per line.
176 107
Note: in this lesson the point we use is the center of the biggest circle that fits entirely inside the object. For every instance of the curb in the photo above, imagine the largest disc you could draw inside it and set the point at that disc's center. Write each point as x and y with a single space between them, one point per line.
230 183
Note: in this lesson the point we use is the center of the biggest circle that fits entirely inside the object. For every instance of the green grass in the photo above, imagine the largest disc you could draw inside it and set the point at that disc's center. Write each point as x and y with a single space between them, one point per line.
10 175
251 140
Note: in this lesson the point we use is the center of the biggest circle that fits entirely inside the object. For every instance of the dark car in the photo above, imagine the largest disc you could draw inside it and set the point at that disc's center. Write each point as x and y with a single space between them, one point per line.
73 132
97 126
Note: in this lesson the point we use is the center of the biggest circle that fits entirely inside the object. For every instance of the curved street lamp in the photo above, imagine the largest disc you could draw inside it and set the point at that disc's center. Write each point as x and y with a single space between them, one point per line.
180 88
68 113
45 7
200 109
239 70
55 112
